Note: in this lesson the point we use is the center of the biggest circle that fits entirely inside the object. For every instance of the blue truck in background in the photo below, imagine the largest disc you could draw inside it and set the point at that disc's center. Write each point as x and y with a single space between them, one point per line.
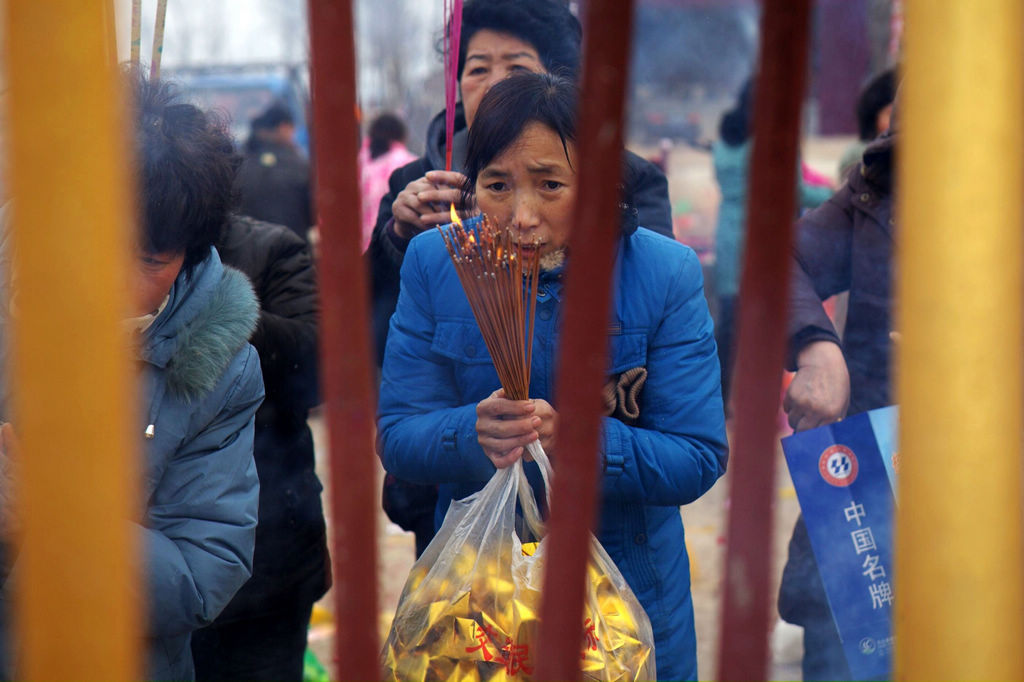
243 91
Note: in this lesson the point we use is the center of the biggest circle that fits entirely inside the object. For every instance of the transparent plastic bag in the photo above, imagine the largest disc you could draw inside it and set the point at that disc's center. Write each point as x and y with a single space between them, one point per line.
470 607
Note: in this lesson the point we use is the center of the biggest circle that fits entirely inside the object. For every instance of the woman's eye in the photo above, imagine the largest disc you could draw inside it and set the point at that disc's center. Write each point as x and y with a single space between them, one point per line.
553 184
477 71
520 67
497 186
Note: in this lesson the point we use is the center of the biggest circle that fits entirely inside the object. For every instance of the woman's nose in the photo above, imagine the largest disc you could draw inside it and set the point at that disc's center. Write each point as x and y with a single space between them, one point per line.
525 216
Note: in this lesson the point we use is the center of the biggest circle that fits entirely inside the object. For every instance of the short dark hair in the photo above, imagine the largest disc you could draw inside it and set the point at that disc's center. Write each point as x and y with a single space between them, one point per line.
736 124
186 164
512 104
876 95
276 114
547 25
385 129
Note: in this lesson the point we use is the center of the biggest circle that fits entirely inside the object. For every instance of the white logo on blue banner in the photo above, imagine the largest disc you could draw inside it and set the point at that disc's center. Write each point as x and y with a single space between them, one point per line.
838 466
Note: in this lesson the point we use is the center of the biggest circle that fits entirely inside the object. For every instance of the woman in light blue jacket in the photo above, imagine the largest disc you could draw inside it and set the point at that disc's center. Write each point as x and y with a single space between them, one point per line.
199 379
442 421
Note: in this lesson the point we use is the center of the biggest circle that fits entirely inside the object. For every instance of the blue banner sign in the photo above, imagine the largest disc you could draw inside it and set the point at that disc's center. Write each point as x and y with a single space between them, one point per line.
845 479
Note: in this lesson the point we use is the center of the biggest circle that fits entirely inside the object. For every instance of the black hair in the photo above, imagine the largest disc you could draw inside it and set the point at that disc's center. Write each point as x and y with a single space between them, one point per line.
278 113
186 165
876 95
506 110
386 129
735 127
547 25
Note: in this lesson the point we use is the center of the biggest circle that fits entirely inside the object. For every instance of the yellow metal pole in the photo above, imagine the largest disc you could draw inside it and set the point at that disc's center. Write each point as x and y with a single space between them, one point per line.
77 570
960 573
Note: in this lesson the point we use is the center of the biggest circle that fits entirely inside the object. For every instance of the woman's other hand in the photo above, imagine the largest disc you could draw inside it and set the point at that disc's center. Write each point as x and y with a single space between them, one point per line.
505 427
547 429
426 202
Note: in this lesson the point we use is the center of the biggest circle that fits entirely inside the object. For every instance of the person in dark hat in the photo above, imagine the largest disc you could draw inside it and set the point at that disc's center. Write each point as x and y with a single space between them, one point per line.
274 180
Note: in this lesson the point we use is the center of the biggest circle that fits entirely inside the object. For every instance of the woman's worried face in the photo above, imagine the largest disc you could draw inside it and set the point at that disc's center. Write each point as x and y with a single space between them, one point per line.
531 187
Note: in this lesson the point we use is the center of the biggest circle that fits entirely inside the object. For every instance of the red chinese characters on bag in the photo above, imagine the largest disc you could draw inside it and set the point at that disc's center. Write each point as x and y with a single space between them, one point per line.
515 657
589 638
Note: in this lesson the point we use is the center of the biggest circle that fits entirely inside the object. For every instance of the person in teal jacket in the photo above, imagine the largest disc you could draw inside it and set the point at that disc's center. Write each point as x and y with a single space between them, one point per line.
443 421
731 157
200 385
200 379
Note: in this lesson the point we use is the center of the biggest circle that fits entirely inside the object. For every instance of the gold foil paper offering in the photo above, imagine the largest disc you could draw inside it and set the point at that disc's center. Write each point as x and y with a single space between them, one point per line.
489 633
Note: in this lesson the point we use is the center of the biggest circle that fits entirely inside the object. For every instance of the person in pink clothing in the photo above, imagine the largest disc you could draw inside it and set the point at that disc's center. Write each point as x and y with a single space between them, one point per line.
382 152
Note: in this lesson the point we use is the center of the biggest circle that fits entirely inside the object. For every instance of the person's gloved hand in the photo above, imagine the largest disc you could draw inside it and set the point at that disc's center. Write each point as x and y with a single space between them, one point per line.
820 391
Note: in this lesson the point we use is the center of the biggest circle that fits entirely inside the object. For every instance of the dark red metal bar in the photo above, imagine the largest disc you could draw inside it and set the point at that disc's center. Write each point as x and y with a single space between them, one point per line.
764 289
345 341
583 357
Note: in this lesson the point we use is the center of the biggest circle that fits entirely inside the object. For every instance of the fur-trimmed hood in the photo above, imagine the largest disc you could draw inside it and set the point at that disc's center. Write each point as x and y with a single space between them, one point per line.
210 316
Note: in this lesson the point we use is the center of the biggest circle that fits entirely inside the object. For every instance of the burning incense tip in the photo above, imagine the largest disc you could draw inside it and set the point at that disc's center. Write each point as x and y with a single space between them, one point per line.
455 216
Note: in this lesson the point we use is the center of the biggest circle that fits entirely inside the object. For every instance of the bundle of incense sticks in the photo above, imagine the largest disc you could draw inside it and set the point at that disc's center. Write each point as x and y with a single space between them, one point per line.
499 277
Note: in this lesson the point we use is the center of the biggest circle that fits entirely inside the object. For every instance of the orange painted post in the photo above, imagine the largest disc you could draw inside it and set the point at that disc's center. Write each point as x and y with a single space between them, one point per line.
959 609
77 576
345 343
583 356
746 603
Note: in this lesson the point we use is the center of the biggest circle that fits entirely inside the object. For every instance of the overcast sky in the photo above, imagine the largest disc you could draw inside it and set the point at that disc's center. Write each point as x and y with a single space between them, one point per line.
217 31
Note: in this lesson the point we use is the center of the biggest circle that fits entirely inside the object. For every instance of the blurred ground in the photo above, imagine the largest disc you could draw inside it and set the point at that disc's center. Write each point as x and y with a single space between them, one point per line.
695 199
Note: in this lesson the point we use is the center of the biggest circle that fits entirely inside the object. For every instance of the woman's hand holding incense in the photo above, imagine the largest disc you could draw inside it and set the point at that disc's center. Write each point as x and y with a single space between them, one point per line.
427 202
504 427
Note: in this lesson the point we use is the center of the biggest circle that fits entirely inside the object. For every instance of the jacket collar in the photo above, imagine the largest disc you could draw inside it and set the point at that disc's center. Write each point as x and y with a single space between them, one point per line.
208 319
435 143
870 200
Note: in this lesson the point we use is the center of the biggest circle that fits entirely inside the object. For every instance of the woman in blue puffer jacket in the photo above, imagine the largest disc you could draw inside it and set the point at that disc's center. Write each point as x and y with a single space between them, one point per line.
442 421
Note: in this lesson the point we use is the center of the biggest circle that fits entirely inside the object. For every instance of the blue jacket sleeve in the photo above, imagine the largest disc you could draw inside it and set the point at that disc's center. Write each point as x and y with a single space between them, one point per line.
679 448
425 433
201 522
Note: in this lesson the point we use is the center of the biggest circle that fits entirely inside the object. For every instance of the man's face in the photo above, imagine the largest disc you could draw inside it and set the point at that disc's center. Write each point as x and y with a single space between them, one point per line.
492 57
152 277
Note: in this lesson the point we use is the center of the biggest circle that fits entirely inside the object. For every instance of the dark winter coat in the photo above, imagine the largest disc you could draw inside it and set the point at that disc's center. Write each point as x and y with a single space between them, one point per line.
201 385
274 186
646 192
847 245
290 562
437 368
